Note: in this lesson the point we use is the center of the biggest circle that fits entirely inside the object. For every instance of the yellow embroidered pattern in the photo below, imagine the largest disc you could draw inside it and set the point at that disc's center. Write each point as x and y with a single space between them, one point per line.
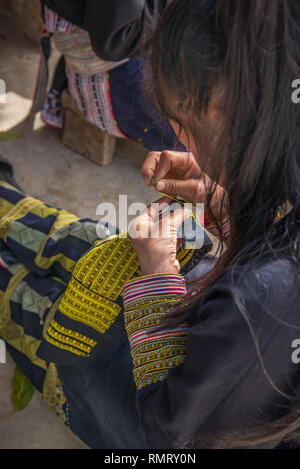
65 347
72 342
147 312
92 295
85 306
153 357
152 366
107 267
75 335
73 339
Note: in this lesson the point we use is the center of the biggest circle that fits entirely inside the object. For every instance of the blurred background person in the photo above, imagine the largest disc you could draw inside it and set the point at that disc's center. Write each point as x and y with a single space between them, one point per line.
102 45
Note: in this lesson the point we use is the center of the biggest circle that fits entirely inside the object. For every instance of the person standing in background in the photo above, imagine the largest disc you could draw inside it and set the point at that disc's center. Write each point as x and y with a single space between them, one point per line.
102 44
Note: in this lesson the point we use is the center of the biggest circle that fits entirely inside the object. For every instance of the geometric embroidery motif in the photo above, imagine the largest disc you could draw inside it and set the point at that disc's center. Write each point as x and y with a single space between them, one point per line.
93 294
63 337
97 282
153 352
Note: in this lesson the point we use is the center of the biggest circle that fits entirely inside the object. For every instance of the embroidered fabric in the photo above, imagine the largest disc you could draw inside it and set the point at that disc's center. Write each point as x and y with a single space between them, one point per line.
146 302
88 80
92 96
84 322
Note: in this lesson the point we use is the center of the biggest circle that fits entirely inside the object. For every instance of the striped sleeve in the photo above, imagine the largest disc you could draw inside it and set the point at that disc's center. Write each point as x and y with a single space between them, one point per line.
152 285
146 302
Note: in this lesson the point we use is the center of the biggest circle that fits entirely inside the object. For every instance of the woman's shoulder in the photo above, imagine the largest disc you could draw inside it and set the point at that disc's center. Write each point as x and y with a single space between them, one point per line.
272 282
268 286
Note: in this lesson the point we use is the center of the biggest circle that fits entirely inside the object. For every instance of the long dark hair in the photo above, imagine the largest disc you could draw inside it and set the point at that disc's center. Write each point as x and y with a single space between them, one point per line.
245 56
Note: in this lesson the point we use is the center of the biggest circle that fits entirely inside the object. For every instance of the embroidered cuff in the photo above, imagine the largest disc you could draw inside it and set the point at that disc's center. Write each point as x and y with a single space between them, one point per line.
153 285
146 301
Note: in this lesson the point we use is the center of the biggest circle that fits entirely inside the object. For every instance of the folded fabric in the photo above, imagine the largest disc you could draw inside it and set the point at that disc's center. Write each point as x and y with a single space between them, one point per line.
62 283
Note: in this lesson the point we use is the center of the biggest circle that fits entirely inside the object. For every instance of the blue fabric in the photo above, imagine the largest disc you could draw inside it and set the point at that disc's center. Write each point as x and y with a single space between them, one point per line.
102 410
134 112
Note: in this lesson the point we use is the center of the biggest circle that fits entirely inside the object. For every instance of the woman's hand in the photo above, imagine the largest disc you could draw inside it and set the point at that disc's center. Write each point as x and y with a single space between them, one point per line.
178 174
154 237
174 173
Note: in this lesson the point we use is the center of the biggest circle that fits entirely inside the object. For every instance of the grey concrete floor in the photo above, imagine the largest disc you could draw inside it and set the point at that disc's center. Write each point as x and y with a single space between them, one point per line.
48 170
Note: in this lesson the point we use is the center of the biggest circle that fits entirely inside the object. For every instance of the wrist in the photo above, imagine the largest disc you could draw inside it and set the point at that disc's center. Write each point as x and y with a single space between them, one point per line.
160 268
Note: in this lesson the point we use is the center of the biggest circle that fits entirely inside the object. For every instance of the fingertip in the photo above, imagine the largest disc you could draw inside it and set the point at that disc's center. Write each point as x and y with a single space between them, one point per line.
147 175
160 186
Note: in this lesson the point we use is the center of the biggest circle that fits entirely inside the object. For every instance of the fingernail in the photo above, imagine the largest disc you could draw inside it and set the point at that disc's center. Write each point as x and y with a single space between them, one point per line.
160 186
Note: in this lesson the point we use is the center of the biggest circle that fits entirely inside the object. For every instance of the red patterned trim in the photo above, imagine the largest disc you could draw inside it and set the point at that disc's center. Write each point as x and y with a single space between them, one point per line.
156 285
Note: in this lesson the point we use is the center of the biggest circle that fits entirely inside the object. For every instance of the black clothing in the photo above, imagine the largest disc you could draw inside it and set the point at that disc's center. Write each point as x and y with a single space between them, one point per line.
118 29
221 387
